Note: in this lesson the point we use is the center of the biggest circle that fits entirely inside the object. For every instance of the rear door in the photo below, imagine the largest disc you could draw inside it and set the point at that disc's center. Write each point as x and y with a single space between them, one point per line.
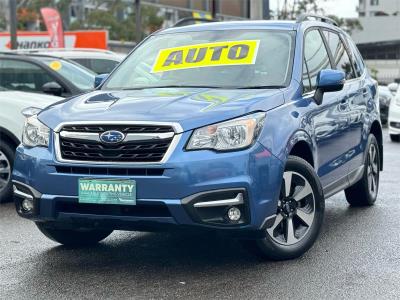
355 106
330 119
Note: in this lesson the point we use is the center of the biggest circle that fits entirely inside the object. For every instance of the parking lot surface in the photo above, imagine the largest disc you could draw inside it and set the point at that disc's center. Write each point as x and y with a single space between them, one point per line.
356 257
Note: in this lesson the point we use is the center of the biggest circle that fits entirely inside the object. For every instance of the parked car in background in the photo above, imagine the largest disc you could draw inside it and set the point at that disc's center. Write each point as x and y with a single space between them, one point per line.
11 125
394 118
385 97
97 60
44 74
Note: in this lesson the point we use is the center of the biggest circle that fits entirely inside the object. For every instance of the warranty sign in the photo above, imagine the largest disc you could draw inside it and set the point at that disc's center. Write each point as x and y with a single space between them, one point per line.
107 191
207 55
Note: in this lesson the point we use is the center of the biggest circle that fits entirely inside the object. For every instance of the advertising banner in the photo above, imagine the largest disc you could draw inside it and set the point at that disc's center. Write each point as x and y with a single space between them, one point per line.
54 26
41 40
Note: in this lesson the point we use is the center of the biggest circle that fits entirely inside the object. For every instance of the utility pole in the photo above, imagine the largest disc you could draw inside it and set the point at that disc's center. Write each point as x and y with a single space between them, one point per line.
13 24
266 10
138 22
214 9
256 11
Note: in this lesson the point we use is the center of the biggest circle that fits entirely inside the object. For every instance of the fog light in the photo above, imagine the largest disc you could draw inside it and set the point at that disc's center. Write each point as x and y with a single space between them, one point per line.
27 205
234 214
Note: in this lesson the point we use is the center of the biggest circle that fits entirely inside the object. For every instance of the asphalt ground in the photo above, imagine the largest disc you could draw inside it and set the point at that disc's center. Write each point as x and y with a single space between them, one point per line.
356 257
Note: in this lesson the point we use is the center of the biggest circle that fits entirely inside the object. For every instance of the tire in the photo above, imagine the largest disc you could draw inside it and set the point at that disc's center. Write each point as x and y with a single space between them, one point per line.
305 214
7 153
395 138
365 191
75 238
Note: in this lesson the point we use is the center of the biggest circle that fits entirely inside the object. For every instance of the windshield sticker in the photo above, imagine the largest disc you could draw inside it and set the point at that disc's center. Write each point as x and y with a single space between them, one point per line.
207 55
55 65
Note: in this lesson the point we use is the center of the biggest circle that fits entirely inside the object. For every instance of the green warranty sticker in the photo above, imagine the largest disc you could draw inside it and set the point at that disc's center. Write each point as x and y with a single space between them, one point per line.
107 191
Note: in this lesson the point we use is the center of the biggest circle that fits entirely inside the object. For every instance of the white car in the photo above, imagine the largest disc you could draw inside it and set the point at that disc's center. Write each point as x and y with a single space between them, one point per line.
97 60
394 118
11 124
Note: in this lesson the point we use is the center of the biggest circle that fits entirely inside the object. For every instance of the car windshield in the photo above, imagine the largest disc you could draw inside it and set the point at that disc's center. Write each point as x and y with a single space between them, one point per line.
218 59
79 76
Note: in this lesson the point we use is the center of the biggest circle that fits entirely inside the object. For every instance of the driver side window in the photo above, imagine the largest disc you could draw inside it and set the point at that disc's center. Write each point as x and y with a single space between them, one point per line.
316 58
22 76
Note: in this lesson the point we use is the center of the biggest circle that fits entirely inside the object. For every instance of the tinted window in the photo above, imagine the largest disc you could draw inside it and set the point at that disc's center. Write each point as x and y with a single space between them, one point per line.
103 66
79 76
306 79
22 76
357 59
315 56
82 61
341 59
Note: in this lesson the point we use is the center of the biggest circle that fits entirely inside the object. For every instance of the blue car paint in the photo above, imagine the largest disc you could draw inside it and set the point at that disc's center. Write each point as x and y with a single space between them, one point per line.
336 133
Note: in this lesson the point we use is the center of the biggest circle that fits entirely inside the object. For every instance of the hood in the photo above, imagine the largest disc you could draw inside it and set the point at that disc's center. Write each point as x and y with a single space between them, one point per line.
190 107
24 99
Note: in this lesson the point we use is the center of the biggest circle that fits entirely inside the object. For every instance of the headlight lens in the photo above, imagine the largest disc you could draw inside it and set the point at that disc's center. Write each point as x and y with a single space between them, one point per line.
230 135
35 133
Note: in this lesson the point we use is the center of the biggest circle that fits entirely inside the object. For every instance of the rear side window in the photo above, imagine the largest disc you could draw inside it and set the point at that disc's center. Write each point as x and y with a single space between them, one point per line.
341 59
22 76
103 66
358 62
316 58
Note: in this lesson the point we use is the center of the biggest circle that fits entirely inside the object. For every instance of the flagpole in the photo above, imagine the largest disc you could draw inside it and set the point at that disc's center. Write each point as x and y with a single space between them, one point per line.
13 24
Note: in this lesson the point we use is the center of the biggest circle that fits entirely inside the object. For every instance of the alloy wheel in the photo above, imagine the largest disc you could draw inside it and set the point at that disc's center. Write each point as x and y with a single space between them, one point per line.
5 171
296 210
373 170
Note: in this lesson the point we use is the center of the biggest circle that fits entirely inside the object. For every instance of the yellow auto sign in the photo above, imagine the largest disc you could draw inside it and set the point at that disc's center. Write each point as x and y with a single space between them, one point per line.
206 55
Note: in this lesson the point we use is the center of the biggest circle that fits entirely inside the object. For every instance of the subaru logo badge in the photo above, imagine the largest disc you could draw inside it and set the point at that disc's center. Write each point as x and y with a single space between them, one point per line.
112 137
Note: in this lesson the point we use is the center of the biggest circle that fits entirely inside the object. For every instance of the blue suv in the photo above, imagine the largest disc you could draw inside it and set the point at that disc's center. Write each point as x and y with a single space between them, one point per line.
244 128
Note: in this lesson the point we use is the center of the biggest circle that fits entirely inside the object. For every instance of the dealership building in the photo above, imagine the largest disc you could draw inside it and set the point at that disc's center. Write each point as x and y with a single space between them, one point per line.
379 40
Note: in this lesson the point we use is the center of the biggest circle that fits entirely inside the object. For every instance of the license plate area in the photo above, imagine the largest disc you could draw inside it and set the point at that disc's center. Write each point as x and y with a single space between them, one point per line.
107 191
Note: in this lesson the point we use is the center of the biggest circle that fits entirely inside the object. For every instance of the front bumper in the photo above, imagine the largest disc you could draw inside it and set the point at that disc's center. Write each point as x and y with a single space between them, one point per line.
166 193
394 119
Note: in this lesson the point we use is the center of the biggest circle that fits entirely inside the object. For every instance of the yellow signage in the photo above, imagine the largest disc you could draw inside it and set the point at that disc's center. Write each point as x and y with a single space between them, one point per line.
55 65
207 55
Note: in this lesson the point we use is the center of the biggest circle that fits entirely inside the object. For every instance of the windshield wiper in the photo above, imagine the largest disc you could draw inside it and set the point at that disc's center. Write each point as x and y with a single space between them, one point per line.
172 86
260 87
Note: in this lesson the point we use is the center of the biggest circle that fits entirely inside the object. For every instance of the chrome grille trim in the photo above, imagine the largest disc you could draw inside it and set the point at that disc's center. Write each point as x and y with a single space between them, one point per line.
129 137
132 137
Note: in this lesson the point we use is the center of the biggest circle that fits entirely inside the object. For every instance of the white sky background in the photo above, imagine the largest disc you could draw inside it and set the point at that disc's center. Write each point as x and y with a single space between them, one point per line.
340 8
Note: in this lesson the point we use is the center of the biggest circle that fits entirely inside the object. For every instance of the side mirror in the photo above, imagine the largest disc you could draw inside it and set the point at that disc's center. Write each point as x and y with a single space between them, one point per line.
99 79
328 81
393 87
52 88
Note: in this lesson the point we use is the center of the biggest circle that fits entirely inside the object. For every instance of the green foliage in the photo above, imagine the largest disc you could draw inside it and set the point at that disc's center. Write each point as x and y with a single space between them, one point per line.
120 28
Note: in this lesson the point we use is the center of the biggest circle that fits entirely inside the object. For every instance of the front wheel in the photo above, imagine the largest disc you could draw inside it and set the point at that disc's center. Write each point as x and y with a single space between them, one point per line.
71 237
299 215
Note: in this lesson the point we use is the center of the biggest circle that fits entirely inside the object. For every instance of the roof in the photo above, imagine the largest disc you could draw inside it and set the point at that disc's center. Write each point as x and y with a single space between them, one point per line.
73 53
235 25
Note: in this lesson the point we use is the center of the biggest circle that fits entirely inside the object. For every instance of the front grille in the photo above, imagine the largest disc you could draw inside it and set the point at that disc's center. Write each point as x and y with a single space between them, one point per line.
157 209
110 171
81 149
122 128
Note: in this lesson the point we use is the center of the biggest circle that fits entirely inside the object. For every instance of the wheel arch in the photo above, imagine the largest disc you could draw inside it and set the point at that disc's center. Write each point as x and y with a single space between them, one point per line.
8 137
376 130
300 145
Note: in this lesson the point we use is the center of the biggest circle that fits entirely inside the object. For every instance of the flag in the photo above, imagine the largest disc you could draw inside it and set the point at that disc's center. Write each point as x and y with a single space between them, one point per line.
54 26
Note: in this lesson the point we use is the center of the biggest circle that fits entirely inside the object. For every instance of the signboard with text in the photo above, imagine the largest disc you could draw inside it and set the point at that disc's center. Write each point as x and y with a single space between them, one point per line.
73 39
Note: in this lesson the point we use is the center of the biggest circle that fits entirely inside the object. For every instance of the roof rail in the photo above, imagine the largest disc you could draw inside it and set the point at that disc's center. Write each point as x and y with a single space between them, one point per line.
310 17
191 21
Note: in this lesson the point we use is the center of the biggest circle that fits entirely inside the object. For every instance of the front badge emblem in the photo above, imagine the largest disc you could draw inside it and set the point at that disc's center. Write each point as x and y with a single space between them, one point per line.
112 137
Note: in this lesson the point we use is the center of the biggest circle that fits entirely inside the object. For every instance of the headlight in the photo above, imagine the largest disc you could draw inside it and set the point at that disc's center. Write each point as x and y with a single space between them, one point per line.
35 133
230 135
